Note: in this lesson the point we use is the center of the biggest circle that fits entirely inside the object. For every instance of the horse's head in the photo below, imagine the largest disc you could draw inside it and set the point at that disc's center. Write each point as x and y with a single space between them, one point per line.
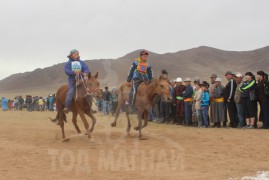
163 88
93 85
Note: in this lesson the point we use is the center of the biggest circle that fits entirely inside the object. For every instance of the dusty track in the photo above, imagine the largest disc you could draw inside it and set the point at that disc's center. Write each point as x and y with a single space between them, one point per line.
29 142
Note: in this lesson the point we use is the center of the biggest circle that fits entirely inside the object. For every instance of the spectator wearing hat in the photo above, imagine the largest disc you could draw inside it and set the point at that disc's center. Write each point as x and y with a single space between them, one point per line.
263 98
229 92
188 99
212 100
220 112
248 100
179 101
237 100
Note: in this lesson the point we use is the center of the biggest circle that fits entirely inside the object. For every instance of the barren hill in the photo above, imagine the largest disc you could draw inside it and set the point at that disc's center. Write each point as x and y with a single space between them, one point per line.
196 62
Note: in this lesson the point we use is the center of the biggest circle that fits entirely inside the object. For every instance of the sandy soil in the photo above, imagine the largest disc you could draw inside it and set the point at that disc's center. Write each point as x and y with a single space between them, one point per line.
31 148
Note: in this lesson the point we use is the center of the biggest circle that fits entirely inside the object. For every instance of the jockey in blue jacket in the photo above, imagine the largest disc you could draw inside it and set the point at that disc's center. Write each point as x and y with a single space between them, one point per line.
139 72
74 67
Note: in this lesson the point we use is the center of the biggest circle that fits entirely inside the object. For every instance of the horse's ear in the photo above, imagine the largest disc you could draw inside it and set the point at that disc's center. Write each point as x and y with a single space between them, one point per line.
89 75
96 75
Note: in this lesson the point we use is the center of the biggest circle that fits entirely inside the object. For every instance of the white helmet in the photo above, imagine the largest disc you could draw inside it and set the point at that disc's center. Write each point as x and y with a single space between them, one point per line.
178 80
218 80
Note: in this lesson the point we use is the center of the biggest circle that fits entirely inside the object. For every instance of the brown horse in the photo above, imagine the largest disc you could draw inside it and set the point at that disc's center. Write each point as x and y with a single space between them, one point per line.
144 100
85 91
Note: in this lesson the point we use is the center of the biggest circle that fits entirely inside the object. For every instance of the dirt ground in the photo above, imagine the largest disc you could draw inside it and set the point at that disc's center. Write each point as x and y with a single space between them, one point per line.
31 148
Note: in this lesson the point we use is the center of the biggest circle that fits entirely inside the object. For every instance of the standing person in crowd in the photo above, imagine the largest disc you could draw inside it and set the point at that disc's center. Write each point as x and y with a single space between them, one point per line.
21 102
16 103
106 101
114 101
73 68
220 112
164 105
172 107
179 101
248 100
29 103
47 103
11 104
157 108
51 101
205 100
237 99
4 103
196 83
40 103
33 103
188 99
212 86
197 99
263 98
229 99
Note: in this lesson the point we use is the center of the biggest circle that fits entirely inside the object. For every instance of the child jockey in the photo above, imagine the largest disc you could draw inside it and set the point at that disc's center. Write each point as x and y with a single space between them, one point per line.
139 72
74 67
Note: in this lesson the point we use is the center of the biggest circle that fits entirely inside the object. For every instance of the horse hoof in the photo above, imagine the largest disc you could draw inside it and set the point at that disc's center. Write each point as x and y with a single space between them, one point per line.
66 140
92 140
136 128
142 138
113 124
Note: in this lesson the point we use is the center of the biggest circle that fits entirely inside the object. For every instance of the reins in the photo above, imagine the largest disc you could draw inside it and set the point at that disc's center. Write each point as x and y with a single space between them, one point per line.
88 91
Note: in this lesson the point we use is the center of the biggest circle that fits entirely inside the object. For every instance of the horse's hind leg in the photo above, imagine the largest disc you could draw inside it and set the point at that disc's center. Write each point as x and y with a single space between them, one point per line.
90 114
114 123
86 124
74 120
61 123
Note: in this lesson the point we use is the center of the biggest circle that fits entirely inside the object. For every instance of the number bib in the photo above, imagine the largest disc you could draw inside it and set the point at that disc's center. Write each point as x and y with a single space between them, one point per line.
75 66
142 67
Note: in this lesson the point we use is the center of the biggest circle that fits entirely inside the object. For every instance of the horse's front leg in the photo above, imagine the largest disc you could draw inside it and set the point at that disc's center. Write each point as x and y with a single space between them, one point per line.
90 114
74 120
85 122
146 114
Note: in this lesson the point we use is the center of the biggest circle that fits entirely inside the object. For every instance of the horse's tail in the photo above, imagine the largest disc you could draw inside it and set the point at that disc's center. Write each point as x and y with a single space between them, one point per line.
57 118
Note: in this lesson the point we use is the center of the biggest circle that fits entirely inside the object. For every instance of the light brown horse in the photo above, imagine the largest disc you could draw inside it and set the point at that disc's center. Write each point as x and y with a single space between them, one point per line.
85 91
144 100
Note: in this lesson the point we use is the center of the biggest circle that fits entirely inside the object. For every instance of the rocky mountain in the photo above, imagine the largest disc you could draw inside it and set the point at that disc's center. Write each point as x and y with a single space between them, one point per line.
196 62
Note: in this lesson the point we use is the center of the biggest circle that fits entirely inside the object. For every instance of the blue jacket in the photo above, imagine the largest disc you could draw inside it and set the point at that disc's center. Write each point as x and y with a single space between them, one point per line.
134 74
205 98
68 71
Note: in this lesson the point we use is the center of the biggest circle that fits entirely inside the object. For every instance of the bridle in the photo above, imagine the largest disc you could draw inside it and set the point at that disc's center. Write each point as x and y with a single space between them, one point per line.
89 92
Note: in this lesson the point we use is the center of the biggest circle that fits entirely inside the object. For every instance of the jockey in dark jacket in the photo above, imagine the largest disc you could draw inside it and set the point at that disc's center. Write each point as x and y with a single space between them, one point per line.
139 72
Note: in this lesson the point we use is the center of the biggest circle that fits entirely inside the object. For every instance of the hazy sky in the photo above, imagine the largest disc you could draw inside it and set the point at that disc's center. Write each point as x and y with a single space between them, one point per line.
40 33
